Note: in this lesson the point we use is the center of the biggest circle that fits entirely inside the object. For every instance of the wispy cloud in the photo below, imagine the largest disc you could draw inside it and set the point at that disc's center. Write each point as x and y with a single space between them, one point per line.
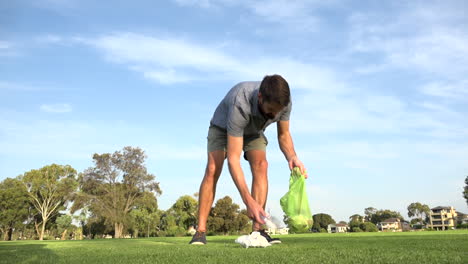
56 108
414 38
165 59
5 45
335 106
49 39
457 90
297 15
7 48
18 86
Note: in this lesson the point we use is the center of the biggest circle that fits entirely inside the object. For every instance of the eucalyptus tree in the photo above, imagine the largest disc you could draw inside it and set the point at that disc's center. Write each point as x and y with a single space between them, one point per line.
50 189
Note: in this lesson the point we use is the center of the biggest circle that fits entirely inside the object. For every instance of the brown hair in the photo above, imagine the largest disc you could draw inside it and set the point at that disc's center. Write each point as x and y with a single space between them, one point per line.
275 89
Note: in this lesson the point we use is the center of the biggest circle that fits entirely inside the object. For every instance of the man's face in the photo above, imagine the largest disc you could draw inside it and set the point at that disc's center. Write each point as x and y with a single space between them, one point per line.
269 110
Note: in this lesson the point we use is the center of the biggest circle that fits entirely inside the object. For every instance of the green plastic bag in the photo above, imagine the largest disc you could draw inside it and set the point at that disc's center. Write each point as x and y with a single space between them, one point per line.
296 205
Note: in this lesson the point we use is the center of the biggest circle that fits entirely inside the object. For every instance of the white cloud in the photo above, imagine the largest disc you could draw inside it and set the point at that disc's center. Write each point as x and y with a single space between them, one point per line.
5 45
296 15
457 90
7 48
56 108
414 38
50 39
18 86
335 107
172 60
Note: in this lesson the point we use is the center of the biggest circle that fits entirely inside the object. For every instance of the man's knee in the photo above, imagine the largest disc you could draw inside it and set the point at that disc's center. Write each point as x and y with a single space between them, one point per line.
213 171
260 165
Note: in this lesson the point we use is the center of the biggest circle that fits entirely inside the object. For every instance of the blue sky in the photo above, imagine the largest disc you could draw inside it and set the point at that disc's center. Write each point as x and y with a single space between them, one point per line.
380 91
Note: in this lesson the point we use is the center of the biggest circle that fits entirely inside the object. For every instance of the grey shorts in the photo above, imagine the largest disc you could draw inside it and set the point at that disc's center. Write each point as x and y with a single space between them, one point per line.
217 140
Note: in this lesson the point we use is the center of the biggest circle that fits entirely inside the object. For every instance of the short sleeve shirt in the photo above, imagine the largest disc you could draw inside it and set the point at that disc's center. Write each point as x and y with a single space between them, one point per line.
238 112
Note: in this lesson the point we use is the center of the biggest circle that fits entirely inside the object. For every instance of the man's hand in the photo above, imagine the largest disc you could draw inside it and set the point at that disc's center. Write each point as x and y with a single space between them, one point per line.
295 162
255 211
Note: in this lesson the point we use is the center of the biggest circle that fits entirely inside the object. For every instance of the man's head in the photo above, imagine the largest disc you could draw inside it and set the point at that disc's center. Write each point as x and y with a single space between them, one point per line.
273 96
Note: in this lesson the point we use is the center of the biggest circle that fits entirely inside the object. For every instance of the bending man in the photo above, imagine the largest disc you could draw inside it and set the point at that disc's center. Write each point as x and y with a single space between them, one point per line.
238 125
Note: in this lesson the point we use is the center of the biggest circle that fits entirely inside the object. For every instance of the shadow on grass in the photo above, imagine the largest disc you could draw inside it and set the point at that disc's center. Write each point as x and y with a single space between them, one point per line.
24 252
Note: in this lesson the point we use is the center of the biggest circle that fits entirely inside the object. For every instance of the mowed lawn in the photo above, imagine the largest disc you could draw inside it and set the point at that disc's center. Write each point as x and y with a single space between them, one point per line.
411 247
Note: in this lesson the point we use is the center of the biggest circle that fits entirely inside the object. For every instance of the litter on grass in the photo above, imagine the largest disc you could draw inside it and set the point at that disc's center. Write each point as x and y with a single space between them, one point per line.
253 240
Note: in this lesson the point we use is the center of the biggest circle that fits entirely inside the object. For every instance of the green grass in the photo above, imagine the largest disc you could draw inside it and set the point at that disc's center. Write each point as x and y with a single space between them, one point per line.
412 247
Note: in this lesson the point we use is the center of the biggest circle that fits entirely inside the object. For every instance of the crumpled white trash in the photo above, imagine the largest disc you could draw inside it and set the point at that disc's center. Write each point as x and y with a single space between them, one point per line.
253 240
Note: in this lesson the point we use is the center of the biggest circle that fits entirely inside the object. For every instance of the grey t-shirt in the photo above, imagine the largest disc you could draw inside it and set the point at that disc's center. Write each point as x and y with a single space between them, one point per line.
238 112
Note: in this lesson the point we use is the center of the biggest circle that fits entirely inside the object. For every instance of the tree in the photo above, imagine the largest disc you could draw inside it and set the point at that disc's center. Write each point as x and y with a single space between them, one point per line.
322 221
368 227
64 223
95 226
14 205
418 209
185 210
224 217
168 225
50 189
368 212
356 217
243 222
465 191
115 183
82 218
145 214
381 215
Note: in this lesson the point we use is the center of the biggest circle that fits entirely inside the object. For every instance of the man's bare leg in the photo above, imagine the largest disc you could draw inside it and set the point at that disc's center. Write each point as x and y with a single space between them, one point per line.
208 186
259 168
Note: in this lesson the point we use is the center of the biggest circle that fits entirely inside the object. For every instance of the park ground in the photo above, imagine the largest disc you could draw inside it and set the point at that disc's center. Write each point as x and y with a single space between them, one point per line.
409 247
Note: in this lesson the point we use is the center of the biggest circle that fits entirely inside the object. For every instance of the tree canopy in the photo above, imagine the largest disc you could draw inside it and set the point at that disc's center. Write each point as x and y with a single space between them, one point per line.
112 187
418 209
465 191
14 205
225 217
50 188
322 221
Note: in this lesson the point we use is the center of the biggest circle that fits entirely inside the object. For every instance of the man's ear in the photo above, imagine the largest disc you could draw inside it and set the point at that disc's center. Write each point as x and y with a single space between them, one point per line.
259 96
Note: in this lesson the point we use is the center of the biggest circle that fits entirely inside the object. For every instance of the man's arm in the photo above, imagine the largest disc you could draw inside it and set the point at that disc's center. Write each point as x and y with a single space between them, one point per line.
287 147
234 151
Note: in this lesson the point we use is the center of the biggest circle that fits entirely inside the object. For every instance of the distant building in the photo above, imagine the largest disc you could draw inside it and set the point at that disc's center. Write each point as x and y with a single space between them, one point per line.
462 218
390 225
405 226
337 228
278 231
442 218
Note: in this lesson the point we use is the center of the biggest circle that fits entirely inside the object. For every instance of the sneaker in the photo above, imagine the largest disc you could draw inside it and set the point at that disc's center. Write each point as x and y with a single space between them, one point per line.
269 238
198 239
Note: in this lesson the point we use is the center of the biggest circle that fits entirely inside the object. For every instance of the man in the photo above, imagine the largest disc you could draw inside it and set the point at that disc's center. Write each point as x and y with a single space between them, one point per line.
238 125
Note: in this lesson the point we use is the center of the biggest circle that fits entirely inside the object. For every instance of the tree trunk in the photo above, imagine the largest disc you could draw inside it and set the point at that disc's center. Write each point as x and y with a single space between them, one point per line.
5 235
41 236
118 230
10 233
36 225
135 233
64 235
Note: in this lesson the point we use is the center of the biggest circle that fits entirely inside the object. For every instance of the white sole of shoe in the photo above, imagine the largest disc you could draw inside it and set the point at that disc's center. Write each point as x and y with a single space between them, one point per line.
197 243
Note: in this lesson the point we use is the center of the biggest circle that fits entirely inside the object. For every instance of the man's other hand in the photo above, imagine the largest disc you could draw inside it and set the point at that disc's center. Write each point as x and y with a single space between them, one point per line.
295 162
